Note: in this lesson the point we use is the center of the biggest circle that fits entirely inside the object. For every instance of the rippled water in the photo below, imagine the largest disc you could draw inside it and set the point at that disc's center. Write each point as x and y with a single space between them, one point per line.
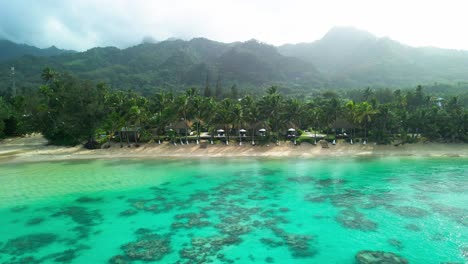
233 210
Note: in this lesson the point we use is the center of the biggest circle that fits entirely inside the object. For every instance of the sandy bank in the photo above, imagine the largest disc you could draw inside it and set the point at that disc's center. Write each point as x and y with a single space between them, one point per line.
34 148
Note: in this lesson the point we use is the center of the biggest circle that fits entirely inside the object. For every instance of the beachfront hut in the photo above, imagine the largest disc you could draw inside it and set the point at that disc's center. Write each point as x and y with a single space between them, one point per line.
171 135
130 134
262 132
242 134
220 133
343 128
181 127
155 134
341 125
292 135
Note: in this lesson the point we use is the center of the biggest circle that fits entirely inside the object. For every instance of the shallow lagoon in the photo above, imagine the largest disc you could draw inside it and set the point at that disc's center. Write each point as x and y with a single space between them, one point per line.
233 210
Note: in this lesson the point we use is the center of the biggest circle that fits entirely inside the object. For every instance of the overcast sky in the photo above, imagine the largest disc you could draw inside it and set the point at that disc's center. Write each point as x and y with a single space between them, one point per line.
83 24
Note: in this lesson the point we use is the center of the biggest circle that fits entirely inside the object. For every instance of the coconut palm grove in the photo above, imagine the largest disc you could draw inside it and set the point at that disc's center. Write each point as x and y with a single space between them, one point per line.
71 111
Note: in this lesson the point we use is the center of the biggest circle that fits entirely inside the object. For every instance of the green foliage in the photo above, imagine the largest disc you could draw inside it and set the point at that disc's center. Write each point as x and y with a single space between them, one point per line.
343 60
172 65
305 140
5 114
352 58
10 50
71 110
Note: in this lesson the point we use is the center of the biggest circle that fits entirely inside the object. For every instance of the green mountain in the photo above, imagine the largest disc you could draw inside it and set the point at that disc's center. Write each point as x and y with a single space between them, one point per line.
343 58
10 50
353 58
173 64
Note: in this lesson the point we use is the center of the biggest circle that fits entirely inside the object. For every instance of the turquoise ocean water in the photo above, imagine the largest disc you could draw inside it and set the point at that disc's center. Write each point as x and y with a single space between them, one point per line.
233 210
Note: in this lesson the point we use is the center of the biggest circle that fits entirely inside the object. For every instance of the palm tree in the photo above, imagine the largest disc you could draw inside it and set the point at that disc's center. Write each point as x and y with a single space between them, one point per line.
48 75
314 113
294 110
251 114
364 115
224 115
367 94
202 108
237 117
135 117
161 107
458 119
210 107
332 111
351 116
116 102
184 103
271 106
385 119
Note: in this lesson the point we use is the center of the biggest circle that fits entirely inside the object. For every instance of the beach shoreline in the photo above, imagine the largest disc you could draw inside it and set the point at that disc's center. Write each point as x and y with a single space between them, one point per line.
35 148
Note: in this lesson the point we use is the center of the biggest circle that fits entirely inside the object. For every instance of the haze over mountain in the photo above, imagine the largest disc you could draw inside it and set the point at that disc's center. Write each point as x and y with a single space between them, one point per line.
351 58
84 24
343 58
173 64
10 50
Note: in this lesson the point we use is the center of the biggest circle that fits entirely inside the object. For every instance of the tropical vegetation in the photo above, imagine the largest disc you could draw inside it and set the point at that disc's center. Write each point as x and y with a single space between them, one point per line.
71 111
343 59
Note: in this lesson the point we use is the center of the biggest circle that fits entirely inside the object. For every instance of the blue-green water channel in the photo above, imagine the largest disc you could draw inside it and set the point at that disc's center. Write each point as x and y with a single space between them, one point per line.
233 210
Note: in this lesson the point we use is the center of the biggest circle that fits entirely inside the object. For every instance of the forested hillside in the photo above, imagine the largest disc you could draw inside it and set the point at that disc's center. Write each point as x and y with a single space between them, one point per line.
344 59
353 58
173 65
10 50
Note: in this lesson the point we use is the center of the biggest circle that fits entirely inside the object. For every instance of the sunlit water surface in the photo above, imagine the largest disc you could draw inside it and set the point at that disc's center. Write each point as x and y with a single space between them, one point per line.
233 210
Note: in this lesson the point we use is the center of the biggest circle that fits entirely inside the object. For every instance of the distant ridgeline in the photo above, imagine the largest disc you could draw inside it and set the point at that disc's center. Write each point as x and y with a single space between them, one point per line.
344 58
10 50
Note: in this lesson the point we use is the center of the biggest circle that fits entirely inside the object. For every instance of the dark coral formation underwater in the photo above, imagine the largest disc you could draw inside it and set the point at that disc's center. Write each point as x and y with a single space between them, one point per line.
211 221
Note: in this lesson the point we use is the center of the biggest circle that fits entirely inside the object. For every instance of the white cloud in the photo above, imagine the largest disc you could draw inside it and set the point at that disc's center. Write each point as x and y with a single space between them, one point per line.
87 23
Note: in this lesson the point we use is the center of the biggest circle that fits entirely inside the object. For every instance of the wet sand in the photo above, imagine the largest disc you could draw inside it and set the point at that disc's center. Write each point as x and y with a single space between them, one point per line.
35 148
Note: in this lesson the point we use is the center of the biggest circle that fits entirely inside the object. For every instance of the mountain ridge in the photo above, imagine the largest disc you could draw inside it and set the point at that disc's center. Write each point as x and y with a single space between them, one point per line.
343 58
174 64
11 50
348 55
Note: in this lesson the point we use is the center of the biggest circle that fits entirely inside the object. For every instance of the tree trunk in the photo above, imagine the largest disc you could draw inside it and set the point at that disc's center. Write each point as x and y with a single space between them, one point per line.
136 137
212 136
226 134
253 136
315 133
186 129
277 133
365 134
109 139
126 134
198 132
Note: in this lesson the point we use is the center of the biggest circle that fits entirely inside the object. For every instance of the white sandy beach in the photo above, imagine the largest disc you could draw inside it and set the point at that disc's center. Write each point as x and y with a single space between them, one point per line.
34 148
